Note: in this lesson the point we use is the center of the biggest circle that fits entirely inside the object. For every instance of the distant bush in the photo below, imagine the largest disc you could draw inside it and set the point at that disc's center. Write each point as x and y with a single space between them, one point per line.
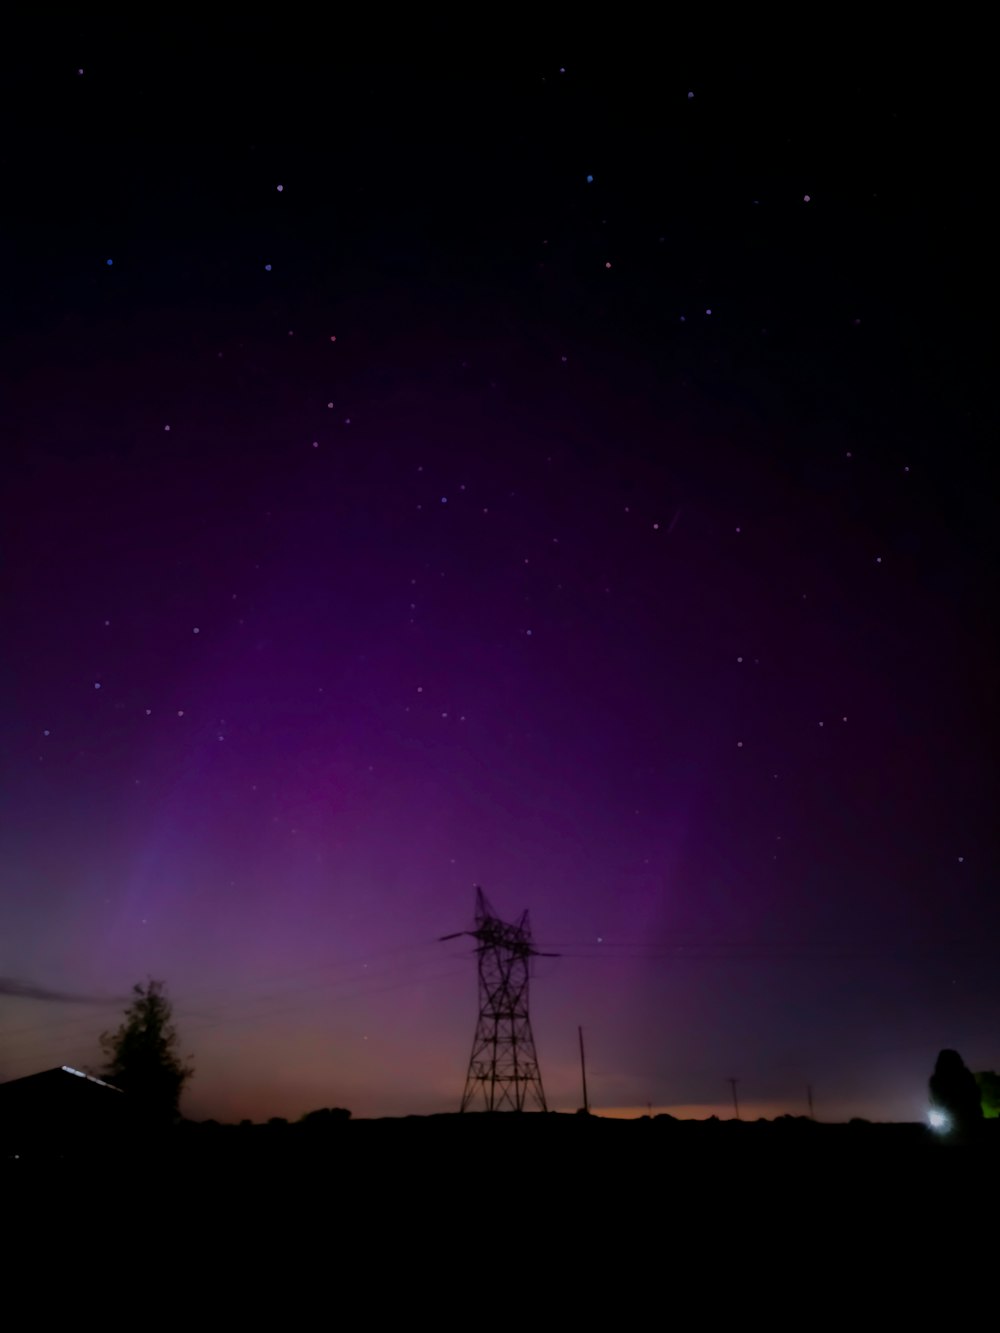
956 1094
326 1115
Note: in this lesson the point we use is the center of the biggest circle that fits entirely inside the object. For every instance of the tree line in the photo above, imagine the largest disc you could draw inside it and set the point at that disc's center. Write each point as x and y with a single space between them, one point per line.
142 1058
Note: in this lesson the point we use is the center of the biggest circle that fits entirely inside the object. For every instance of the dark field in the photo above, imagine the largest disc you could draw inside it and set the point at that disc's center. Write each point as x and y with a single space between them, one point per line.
532 1219
588 1150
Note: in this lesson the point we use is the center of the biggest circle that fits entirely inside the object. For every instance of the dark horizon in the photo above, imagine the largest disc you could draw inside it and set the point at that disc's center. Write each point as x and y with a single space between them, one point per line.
552 466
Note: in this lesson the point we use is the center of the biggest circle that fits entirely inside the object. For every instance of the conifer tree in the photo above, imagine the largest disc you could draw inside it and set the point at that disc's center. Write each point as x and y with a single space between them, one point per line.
141 1056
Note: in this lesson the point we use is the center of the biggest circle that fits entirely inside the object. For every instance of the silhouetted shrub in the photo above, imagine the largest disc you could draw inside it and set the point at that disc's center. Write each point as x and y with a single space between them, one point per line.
326 1115
955 1094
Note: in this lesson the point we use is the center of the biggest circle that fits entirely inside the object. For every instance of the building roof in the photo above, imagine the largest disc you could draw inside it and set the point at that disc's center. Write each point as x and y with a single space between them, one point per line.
49 1078
60 1110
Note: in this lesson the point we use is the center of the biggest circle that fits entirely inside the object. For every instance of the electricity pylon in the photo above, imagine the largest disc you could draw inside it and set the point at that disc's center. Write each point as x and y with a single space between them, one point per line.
503 1065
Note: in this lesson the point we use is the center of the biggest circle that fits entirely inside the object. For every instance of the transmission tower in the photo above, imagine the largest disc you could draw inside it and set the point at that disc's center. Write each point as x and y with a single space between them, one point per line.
503 1065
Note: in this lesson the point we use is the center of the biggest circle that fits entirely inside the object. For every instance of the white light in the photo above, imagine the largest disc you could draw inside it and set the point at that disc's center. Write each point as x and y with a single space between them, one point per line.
79 1073
939 1120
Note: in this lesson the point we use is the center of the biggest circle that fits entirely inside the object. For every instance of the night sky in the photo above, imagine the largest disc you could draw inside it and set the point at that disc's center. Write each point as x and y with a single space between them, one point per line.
432 461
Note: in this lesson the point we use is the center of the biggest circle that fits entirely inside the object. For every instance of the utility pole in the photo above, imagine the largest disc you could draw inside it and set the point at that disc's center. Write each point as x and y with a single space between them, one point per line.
503 1065
809 1099
583 1074
736 1101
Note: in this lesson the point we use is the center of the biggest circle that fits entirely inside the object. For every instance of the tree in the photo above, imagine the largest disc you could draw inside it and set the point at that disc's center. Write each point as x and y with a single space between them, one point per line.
955 1095
326 1115
989 1093
142 1055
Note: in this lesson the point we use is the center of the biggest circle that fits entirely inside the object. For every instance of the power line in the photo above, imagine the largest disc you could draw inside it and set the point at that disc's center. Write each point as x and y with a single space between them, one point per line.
226 1021
267 1015
70 1026
224 997
746 952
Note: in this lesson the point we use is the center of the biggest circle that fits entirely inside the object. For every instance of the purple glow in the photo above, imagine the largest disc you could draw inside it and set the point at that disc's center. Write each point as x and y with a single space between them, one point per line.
566 601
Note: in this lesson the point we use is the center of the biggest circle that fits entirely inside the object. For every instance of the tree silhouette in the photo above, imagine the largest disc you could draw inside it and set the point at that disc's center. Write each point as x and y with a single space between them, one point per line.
141 1057
955 1094
326 1115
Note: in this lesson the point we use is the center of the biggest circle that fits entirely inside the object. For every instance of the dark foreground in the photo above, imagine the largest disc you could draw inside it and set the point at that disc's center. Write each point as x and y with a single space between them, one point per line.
532 1219
590 1151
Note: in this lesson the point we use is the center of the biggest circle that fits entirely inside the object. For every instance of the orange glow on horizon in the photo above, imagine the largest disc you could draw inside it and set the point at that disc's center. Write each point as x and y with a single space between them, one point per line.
698 1111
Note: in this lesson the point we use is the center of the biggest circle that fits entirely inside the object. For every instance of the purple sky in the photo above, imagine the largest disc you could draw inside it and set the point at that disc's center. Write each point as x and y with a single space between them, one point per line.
652 597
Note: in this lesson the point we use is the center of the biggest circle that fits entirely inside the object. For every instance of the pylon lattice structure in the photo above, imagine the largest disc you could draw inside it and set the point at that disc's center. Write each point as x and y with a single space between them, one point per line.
503 1068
